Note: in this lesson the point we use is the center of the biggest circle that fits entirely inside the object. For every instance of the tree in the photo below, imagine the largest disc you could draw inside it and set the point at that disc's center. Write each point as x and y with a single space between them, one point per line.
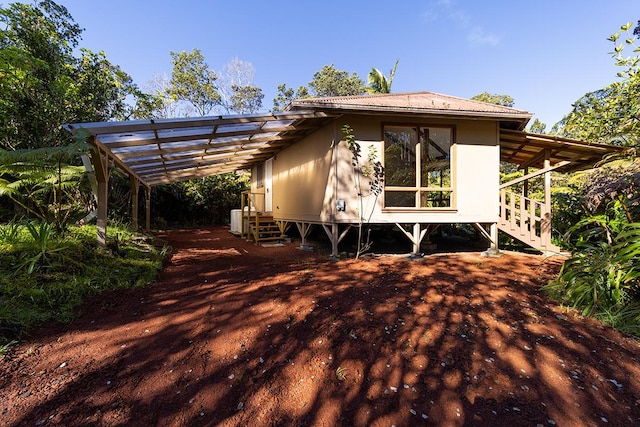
504 100
537 127
237 90
42 83
378 82
101 91
326 82
193 82
286 95
610 114
601 277
37 43
246 99
331 82
370 169
161 103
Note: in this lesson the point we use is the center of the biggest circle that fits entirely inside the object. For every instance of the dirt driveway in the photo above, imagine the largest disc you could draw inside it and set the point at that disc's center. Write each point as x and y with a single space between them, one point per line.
235 334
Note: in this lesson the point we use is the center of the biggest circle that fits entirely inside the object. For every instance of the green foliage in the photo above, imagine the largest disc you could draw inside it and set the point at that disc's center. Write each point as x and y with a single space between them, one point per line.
537 127
610 114
201 201
246 99
504 100
43 85
624 317
371 169
192 81
603 274
82 269
101 91
331 82
10 232
42 181
286 95
326 82
42 234
378 82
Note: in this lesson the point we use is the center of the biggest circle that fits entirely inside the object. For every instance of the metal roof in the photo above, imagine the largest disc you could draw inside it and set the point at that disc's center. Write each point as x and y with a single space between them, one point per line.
415 103
168 150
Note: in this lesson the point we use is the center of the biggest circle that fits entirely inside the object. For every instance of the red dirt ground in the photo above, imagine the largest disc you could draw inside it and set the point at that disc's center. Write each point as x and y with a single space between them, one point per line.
235 334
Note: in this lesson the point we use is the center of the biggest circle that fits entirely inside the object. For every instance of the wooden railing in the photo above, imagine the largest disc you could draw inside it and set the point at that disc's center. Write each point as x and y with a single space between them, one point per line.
256 225
249 208
526 220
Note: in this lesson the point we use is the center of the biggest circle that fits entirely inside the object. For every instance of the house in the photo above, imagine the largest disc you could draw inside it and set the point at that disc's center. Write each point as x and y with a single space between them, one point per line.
441 157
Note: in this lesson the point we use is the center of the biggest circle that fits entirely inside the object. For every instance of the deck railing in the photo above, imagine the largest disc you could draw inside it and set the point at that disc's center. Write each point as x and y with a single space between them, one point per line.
526 219
249 208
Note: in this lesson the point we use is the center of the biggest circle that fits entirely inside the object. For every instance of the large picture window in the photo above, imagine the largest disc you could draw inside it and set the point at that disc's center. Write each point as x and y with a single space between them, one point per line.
417 162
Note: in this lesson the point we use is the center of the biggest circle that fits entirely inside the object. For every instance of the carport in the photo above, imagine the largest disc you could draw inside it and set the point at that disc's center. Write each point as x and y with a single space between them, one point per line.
161 151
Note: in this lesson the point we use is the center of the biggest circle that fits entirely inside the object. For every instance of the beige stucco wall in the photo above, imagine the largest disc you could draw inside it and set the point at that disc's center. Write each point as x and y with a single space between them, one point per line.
301 188
311 175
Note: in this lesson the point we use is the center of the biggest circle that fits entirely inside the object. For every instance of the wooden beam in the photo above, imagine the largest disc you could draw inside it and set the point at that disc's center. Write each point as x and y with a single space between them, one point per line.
135 193
203 149
206 137
100 128
100 162
534 174
147 210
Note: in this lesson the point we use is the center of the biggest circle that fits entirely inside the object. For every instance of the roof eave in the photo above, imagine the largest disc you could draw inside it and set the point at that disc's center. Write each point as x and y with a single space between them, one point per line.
519 118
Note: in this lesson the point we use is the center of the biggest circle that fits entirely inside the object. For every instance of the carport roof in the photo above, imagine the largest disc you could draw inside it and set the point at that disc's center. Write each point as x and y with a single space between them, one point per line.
169 150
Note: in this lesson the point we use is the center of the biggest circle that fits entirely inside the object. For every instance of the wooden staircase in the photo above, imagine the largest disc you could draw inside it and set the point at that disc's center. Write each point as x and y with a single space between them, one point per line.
258 226
527 220
263 228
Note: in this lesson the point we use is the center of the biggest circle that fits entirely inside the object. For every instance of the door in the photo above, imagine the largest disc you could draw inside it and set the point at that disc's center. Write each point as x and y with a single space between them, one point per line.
268 197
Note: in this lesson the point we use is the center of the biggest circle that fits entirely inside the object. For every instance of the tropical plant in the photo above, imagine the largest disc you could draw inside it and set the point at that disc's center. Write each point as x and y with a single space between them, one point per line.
43 182
378 82
61 279
42 234
10 231
604 271
371 169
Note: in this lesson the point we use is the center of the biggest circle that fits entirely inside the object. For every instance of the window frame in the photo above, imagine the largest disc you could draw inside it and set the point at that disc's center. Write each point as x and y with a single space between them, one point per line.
260 175
418 189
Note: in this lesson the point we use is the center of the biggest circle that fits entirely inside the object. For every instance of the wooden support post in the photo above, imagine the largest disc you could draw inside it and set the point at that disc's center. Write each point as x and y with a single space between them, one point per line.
493 229
147 210
417 239
100 162
135 193
303 229
545 225
334 237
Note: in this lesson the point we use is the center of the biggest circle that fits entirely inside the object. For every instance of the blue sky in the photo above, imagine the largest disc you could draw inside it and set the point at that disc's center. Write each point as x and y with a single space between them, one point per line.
544 53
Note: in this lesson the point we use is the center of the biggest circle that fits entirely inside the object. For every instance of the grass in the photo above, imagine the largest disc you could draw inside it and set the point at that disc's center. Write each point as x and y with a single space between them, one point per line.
67 269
